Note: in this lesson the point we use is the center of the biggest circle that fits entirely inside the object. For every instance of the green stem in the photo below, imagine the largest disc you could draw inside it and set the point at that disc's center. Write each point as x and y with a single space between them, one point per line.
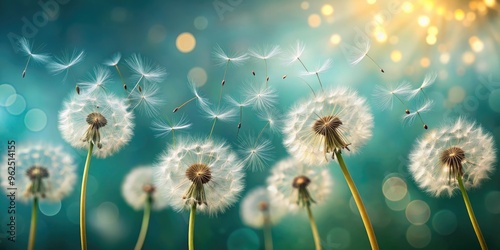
359 202
83 233
472 217
268 236
317 241
145 223
31 243
192 215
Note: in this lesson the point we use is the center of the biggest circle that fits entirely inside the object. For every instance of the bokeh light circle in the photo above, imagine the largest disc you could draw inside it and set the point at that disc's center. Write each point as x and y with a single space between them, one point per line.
335 39
444 222
399 205
35 120
185 42
418 236
494 100
243 238
50 208
198 75
6 91
418 212
327 10
73 212
492 202
157 33
200 23
314 20
456 94
107 212
338 238
394 189
17 104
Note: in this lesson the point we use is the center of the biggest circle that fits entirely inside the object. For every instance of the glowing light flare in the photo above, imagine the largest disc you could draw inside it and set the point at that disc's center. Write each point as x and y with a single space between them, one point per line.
407 7
459 14
476 44
304 5
396 56
335 39
490 3
432 30
423 21
468 57
425 62
314 20
327 10
431 39
371 1
380 34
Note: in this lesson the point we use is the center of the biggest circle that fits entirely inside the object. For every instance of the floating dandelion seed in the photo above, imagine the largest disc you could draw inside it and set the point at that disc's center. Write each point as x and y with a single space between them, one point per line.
99 77
333 120
148 100
259 210
296 52
140 192
144 71
26 48
163 128
428 81
202 101
262 97
240 105
456 156
355 54
409 119
200 175
113 62
385 95
297 185
256 154
42 172
265 53
222 113
65 62
319 69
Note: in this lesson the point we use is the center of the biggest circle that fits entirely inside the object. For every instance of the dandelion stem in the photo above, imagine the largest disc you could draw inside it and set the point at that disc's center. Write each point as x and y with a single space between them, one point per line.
184 104
268 237
145 223
314 229
121 76
320 84
192 216
314 93
223 83
212 130
83 233
239 123
425 95
26 67
401 101
381 70
267 77
472 217
303 65
31 243
260 134
359 202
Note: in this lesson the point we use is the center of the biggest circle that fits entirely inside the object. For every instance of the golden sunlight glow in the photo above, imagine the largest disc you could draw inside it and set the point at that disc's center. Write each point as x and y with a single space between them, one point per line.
380 34
304 5
431 39
407 7
459 14
432 30
314 20
476 44
490 3
335 39
327 10
371 1
425 62
185 42
423 21
468 57
396 56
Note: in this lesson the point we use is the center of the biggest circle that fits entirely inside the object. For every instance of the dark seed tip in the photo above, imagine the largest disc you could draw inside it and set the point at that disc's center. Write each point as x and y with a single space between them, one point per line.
175 110
407 112
425 126
382 70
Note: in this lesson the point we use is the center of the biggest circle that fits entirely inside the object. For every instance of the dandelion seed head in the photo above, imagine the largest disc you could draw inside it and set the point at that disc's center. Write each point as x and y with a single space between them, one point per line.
288 176
66 61
258 206
148 101
138 185
42 170
103 120
145 69
26 48
202 172
114 60
385 96
256 155
459 148
337 119
320 68
424 107
356 53
266 52
296 52
223 113
163 128
97 81
223 58
262 97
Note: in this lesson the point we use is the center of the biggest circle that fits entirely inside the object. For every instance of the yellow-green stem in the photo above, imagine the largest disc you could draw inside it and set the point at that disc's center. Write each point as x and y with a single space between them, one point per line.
472 217
359 202
192 215
268 236
145 223
83 233
317 241
31 243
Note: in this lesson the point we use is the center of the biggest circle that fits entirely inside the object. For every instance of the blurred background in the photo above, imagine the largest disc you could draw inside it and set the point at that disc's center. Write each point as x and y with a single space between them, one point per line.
457 40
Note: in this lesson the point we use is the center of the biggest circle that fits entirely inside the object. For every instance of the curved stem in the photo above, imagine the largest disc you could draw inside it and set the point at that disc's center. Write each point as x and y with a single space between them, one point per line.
145 223
268 236
260 134
83 233
31 243
359 202
213 127
317 241
192 216
472 217
121 76
319 80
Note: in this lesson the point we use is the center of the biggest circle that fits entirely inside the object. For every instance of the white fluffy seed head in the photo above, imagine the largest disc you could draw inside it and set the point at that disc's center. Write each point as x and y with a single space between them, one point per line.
54 168
280 183
433 176
258 206
256 155
139 184
307 145
114 135
225 180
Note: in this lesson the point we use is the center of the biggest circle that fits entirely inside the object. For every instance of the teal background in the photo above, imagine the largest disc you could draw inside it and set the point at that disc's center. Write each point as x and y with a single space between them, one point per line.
89 25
